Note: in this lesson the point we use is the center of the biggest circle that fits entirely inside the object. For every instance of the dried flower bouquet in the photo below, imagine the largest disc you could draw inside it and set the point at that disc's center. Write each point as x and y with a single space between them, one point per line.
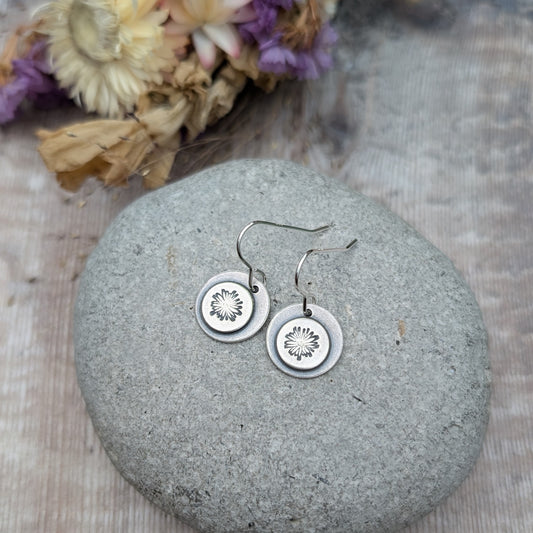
157 72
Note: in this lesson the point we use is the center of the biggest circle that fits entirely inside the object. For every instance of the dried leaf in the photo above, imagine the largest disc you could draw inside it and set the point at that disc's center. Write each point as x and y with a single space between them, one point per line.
65 148
156 169
73 180
111 150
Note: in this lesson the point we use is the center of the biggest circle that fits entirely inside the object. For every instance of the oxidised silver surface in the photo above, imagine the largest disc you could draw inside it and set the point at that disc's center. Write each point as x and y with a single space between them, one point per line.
228 311
302 343
318 342
227 307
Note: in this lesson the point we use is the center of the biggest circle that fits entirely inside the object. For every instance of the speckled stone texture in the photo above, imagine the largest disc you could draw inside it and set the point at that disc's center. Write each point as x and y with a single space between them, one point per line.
215 433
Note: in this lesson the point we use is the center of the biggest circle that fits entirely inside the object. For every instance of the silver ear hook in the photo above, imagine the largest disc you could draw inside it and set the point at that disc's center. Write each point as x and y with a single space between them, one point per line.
307 312
255 222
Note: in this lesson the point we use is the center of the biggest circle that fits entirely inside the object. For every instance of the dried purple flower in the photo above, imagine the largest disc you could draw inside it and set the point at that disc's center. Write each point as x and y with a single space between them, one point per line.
262 25
32 81
11 96
277 58
267 14
315 61
276 54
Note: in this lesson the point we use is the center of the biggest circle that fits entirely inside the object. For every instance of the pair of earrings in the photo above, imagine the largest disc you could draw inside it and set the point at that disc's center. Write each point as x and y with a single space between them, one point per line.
303 341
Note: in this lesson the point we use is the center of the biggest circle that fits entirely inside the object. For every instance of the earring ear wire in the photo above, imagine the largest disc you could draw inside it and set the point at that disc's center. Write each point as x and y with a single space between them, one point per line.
307 312
251 270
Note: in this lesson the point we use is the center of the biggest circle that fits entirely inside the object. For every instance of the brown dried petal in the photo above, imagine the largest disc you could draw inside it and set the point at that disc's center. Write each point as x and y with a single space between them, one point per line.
228 85
247 61
247 64
190 75
218 103
163 123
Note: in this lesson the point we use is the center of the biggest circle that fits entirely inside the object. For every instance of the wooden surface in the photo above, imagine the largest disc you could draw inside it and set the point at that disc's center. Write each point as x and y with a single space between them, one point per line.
434 122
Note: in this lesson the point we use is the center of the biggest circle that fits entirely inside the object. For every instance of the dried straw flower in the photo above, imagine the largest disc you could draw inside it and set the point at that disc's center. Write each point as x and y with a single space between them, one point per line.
210 23
106 51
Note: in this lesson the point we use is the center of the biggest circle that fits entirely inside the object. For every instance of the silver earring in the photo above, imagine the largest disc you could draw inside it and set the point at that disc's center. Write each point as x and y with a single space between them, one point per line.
233 306
305 341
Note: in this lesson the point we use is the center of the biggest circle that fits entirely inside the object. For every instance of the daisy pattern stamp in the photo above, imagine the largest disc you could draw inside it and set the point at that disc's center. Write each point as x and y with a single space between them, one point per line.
301 342
226 305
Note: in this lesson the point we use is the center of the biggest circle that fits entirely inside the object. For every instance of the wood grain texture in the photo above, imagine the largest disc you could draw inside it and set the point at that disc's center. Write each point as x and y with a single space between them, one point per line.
435 123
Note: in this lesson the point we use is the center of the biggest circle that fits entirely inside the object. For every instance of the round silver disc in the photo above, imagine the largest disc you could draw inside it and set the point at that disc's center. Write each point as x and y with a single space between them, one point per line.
302 343
316 339
228 311
227 307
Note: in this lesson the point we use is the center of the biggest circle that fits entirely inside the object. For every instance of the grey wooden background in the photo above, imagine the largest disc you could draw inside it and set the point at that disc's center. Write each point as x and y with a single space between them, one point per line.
433 121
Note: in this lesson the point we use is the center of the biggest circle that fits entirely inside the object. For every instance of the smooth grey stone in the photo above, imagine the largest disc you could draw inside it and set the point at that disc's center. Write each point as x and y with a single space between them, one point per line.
214 432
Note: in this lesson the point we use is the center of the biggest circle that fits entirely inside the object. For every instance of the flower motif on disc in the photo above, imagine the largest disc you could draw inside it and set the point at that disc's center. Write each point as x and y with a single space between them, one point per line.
301 342
226 305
